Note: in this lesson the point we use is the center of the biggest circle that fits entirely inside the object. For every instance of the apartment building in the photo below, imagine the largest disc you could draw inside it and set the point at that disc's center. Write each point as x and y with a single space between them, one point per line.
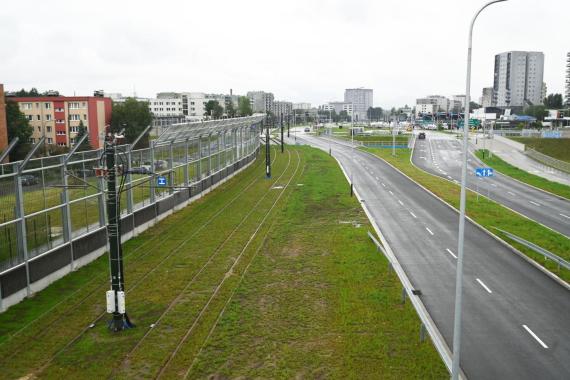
361 99
58 117
261 101
518 79
282 108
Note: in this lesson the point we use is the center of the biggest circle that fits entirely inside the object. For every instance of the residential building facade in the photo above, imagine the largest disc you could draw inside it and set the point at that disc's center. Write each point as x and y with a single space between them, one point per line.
58 117
261 101
361 99
301 106
166 106
487 97
518 79
282 108
460 99
435 103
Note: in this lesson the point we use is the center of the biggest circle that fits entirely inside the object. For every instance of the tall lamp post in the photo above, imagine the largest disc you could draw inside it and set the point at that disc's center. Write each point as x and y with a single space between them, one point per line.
455 368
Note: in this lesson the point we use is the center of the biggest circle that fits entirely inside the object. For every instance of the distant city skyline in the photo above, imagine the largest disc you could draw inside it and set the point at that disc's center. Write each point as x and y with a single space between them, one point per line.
156 54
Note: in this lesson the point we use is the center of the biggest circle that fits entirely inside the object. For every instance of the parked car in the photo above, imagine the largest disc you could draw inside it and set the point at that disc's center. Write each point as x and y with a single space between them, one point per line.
29 180
141 170
307 129
421 135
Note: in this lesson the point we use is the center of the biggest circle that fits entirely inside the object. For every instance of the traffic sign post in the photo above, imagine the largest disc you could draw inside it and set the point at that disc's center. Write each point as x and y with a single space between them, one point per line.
483 173
161 181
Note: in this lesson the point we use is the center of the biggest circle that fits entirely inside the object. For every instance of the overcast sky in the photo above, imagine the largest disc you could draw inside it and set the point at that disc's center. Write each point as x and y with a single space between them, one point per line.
301 50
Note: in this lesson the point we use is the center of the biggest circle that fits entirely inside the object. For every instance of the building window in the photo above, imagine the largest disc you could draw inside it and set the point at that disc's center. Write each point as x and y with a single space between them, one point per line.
38 117
48 117
73 129
49 140
47 106
26 106
84 116
39 129
48 129
60 133
73 106
74 117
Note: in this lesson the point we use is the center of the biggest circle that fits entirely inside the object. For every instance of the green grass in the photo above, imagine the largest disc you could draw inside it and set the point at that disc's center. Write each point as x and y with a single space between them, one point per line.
557 148
507 169
307 295
488 213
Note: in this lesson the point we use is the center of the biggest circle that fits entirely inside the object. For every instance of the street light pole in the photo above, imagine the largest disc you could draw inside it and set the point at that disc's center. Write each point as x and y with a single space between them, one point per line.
455 368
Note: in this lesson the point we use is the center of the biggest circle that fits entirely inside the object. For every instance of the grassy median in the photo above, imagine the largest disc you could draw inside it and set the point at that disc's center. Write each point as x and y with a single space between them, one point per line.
488 213
557 148
306 296
512 171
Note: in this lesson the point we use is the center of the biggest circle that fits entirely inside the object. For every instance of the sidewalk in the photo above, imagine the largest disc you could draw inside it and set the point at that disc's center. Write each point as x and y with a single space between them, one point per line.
517 158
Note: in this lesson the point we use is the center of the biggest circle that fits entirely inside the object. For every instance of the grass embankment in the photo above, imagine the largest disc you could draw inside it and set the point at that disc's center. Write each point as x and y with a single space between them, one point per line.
307 296
557 148
512 171
488 213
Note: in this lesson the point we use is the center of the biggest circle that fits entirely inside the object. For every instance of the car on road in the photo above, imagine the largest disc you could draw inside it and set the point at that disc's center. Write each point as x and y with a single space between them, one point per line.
141 170
29 180
422 136
307 129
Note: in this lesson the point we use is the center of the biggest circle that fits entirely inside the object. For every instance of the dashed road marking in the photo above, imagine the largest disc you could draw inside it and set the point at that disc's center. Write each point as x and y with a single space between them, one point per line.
451 253
484 286
428 230
534 336
534 203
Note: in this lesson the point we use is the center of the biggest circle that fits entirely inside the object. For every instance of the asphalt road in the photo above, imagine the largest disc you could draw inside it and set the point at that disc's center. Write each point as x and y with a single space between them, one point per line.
441 155
516 319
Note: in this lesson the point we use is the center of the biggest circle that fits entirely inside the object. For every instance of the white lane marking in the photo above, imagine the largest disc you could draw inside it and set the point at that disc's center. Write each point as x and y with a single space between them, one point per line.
390 191
511 193
428 230
493 185
451 253
400 202
377 179
414 215
449 177
566 216
383 184
534 336
484 286
424 158
534 203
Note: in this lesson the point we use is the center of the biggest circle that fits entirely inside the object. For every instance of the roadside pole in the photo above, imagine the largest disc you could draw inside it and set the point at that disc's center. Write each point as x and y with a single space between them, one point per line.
282 146
267 154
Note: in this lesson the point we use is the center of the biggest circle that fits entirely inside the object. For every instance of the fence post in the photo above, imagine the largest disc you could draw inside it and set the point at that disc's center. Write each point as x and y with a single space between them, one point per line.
209 153
422 332
403 295
66 212
21 229
153 168
199 170
170 167
129 179
186 166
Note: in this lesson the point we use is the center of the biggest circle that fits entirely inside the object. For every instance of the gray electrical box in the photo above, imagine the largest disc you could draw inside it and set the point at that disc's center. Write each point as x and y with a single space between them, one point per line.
110 301
121 302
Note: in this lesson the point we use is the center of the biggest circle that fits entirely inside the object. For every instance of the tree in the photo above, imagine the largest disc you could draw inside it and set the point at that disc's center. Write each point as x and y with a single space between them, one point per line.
82 130
214 109
538 111
34 92
553 101
375 113
134 116
230 110
244 106
18 126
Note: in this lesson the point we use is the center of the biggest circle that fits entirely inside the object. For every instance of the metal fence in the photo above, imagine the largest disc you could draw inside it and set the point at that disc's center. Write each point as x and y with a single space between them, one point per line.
547 160
47 203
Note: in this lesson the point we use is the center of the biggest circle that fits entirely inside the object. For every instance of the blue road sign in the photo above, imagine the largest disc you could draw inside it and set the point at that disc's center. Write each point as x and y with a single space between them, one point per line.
160 181
484 172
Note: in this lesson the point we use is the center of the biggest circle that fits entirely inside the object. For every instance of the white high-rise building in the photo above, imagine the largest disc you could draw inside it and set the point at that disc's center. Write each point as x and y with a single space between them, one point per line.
361 99
261 101
518 78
